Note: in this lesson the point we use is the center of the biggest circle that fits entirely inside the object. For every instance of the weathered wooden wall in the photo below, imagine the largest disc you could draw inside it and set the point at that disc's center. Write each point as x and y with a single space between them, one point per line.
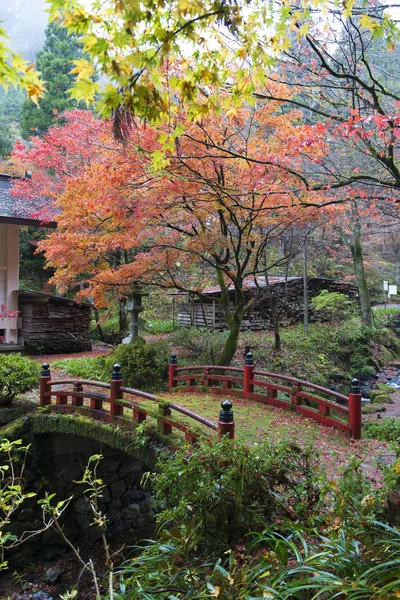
209 314
52 328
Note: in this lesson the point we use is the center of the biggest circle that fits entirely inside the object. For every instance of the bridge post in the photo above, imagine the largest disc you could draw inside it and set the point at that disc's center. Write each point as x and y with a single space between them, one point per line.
115 391
248 387
173 365
355 415
226 424
45 377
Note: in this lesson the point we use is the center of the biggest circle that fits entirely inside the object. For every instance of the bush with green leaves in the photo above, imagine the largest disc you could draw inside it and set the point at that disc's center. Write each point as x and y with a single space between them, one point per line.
159 326
230 488
285 561
386 430
144 364
332 306
18 375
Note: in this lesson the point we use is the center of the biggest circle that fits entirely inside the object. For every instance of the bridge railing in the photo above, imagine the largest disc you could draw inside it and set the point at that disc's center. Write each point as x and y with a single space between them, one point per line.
314 401
115 397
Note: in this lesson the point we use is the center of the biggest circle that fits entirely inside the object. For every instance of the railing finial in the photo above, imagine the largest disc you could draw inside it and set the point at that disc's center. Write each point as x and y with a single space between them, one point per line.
173 360
355 387
45 370
226 414
249 359
116 372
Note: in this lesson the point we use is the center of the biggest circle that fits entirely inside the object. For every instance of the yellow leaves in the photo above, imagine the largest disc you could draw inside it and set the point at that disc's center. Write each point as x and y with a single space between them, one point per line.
396 467
84 69
84 89
367 22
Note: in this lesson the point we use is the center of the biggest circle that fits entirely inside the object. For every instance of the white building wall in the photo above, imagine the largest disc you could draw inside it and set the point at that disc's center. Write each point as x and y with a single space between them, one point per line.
9 276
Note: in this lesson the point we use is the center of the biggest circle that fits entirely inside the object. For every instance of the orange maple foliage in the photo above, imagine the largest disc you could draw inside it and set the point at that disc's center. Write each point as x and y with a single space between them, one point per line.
122 220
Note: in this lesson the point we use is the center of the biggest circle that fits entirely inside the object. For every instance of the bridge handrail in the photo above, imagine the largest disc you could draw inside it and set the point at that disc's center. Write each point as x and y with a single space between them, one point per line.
82 381
301 395
302 382
139 393
195 416
116 402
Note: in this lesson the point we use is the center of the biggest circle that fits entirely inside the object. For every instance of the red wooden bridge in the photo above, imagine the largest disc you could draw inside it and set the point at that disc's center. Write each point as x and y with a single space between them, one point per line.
311 400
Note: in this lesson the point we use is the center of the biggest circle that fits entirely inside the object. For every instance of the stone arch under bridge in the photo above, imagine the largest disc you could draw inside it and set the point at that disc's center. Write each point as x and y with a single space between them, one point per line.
60 449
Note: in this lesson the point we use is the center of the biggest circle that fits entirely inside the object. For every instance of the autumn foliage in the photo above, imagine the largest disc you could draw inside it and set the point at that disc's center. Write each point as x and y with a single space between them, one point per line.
179 219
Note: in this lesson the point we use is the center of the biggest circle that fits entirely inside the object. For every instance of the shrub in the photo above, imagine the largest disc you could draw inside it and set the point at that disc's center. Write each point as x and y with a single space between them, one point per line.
386 430
144 365
158 326
230 488
18 375
332 305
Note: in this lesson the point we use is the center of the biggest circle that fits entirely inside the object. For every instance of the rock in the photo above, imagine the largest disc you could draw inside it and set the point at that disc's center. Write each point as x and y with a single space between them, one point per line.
71 472
131 512
109 465
132 496
81 506
117 488
146 505
52 575
109 477
83 522
105 496
131 468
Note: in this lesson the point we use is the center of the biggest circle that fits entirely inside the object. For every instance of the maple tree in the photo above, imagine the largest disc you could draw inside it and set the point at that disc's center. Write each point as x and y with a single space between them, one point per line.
120 220
326 53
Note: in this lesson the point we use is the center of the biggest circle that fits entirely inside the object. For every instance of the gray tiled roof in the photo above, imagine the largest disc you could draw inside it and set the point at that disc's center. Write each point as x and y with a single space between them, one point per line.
15 210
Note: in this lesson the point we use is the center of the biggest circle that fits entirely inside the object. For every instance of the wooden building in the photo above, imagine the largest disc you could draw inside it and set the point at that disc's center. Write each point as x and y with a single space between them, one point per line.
289 293
49 324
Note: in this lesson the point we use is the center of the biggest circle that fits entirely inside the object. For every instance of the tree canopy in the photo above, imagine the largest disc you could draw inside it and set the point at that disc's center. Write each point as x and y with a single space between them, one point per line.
55 63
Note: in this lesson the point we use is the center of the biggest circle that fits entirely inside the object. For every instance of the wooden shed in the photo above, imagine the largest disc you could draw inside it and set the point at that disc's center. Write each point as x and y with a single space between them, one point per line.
206 312
53 325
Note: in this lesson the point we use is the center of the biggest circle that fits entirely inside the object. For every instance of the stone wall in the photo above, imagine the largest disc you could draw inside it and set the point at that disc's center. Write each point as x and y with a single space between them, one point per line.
55 328
59 460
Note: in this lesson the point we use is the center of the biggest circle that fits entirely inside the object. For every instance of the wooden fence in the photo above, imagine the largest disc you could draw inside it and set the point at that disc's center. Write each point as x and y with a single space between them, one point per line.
311 400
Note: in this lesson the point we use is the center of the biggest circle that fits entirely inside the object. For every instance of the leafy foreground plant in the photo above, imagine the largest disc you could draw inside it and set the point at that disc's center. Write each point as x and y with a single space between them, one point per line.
13 459
18 375
316 540
283 562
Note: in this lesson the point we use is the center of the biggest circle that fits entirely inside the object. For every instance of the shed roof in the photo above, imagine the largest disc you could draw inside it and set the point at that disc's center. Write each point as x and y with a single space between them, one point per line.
262 282
29 296
16 211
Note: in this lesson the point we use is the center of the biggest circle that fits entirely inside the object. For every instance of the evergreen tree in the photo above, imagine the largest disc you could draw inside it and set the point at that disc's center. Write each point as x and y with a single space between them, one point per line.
54 63
10 115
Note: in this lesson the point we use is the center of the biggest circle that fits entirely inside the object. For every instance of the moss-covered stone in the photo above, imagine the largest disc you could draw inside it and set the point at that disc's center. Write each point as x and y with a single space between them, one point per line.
387 389
380 398
371 409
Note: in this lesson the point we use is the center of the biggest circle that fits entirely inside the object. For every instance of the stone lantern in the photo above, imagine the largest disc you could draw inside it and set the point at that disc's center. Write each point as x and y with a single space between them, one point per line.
134 307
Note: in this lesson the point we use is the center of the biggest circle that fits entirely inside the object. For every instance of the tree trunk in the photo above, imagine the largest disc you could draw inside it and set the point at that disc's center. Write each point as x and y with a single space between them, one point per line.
98 326
233 317
358 262
231 343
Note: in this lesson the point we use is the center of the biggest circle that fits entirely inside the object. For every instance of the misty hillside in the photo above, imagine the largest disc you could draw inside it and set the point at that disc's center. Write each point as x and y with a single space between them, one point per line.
24 21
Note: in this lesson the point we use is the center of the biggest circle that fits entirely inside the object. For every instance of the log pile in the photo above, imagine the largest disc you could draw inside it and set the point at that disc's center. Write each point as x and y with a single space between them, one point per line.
55 328
208 313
